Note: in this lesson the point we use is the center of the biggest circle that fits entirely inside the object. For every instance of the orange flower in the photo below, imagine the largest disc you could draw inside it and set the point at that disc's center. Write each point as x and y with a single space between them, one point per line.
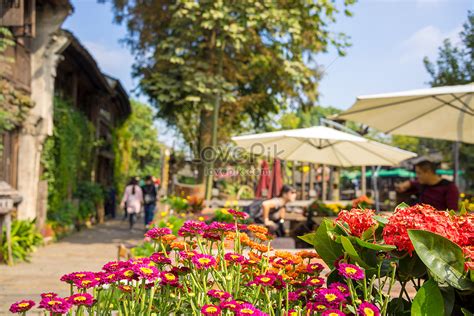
254 256
261 236
257 229
307 254
283 254
178 245
168 238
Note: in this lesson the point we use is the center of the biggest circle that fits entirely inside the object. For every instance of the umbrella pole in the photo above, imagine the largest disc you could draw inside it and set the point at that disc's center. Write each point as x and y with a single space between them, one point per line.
456 146
323 184
363 182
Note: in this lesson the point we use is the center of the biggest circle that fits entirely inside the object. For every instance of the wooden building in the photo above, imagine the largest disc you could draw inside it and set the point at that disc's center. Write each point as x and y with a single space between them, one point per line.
48 61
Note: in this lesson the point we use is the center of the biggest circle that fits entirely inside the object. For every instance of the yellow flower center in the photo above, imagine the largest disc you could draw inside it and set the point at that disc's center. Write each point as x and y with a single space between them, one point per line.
204 260
315 281
52 303
341 289
80 275
211 309
128 273
246 311
350 270
368 312
79 299
293 314
321 307
330 297
170 276
234 256
265 279
86 282
147 271
111 276
24 304
333 314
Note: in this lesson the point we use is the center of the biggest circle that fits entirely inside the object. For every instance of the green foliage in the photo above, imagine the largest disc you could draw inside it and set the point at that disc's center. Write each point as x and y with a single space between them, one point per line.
442 257
302 118
144 249
25 239
221 215
428 300
68 162
90 195
136 146
176 203
326 247
257 56
172 222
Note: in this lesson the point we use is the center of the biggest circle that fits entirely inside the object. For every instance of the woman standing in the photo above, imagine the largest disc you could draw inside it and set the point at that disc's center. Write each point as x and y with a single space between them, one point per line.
132 198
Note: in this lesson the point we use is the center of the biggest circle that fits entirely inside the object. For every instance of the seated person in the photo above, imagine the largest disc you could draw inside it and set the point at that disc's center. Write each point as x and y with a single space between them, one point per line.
431 188
271 212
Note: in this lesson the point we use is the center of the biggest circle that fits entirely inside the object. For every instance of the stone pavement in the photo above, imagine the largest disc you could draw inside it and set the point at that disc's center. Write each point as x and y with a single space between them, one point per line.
86 250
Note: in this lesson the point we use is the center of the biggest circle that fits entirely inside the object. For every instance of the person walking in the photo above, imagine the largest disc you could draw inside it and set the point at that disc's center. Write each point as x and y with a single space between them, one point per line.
149 199
132 200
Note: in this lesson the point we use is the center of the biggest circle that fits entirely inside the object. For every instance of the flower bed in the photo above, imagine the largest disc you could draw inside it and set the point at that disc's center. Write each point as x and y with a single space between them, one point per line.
193 273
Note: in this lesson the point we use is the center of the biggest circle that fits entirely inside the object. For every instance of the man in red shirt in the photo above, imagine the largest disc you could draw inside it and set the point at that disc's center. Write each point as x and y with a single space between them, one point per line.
431 188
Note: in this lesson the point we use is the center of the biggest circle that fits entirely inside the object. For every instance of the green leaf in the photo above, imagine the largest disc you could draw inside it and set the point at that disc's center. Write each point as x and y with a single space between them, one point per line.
411 267
448 297
466 312
377 247
442 257
328 249
402 206
463 210
381 220
369 233
352 252
309 238
428 301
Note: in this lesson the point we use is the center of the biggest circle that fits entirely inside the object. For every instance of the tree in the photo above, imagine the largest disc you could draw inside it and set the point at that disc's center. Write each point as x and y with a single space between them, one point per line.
255 56
302 118
455 65
136 146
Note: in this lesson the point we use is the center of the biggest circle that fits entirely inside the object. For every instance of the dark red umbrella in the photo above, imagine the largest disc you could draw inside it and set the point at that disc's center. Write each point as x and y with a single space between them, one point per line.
276 181
264 181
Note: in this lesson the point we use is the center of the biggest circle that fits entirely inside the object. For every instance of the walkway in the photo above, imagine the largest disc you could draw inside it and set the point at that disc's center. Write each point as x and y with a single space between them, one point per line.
86 250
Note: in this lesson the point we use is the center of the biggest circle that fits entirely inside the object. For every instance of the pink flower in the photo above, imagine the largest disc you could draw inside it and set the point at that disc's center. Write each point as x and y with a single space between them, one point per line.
49 295
351 271
202 261
72 277
341 287
314 281
331 297
211 310
81 299
169 278
158 232
264 280
333 312
55 305
192 228
247 309
86 283
368 309
147 272
222 295
234 257
113 266
238 215
316 306
160 258
231 305
314 267
21 306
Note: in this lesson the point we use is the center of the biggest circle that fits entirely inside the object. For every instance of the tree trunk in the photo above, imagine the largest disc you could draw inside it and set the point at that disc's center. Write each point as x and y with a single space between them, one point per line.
205 142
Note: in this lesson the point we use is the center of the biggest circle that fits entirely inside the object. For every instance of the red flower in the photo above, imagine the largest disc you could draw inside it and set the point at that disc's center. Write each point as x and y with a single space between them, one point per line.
358 220
458 229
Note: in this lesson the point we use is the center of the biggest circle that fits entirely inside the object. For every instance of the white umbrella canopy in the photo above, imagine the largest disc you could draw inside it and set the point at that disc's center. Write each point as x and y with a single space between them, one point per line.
322 145
441 113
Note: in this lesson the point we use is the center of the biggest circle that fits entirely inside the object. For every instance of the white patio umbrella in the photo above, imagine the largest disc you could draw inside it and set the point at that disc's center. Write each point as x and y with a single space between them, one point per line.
323 145
441 113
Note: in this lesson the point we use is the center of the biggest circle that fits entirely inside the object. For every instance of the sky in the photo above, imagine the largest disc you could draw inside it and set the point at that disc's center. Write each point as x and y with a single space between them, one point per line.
389 40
